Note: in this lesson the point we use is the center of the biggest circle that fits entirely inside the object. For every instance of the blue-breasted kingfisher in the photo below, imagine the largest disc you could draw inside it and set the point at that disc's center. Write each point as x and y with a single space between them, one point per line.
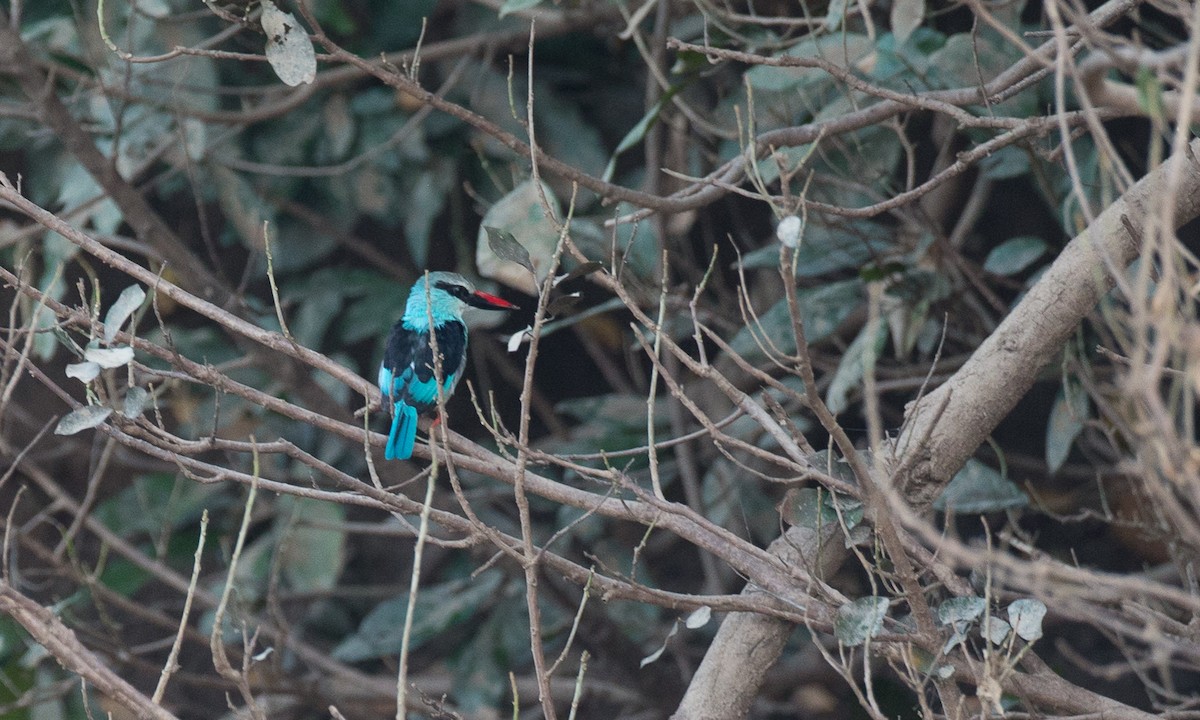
407 376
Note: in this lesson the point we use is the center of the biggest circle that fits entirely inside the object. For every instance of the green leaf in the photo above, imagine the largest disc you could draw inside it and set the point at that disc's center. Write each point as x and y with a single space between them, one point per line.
289 49
860 620
127 302
519 215
996 629
243 207
438 608
961 610
123 577
817 507
860 356
481 666
135 402
828 247
906 16
844 49
311 544
1014 255
1149 92
506 247
581 270
978 488
822 308
638 132
84 418
1066 422
1026 615
1006 163
512 6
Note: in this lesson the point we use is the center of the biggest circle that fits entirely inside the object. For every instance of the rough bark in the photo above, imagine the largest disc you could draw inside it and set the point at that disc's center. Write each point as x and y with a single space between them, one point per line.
946 427
748 644
61 642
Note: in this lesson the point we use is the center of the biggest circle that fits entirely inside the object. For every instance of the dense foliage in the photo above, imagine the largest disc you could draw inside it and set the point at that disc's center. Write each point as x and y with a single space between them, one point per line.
805 341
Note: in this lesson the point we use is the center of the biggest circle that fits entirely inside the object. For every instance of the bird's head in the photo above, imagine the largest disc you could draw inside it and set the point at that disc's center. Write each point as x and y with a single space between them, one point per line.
444 296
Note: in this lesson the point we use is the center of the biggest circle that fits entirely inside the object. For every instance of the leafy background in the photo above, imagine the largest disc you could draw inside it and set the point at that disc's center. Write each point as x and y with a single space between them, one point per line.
361 188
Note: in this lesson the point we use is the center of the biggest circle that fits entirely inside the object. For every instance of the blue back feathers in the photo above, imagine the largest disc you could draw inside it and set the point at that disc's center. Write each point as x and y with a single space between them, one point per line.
406 376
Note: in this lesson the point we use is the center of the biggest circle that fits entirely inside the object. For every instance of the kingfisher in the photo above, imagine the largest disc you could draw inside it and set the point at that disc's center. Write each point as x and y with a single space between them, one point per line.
406 375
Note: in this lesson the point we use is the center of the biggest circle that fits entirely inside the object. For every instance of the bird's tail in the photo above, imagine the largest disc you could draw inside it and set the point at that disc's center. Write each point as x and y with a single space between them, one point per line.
403 433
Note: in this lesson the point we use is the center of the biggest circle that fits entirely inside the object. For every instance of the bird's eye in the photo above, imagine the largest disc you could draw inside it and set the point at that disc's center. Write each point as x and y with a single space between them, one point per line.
457 291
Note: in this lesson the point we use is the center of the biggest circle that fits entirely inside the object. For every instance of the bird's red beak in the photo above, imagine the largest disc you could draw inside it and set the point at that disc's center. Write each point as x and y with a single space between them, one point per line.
488 301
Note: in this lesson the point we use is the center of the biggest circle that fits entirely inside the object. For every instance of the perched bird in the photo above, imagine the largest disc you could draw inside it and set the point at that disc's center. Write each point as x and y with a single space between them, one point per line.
406 376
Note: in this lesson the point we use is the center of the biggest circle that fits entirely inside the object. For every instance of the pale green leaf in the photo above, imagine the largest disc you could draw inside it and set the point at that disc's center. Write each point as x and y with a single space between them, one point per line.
860 620
84 371
126 304
858 358
84 418
512 6
978 488
1026 615
906 16
135 402
109 357
1066 422
522 215
289 49
1014 255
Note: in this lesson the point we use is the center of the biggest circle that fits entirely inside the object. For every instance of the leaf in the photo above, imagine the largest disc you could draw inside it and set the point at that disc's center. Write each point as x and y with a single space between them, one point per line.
1014 255
311 545
135 402
959 613
817 507
109 357
1005 164
823 309
512 6
289 49
638 131
84 371
698 618
438 608
961 610
244 208
1026 615
996 629
1066 422
978 488
507 248
579 271
861 355
515 340
85 418
828 246
906 16
661 648
521 215
127 302
844 49
860 620
563 304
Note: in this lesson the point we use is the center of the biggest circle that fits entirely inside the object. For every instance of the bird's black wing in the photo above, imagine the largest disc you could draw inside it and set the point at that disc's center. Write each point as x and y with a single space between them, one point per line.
407 374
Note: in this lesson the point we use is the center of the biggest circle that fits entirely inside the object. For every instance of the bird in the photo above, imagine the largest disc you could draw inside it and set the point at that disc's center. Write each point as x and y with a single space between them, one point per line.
407 375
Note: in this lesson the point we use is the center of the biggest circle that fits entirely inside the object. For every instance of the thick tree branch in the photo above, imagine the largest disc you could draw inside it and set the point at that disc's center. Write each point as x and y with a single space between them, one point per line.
60 641
946 427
